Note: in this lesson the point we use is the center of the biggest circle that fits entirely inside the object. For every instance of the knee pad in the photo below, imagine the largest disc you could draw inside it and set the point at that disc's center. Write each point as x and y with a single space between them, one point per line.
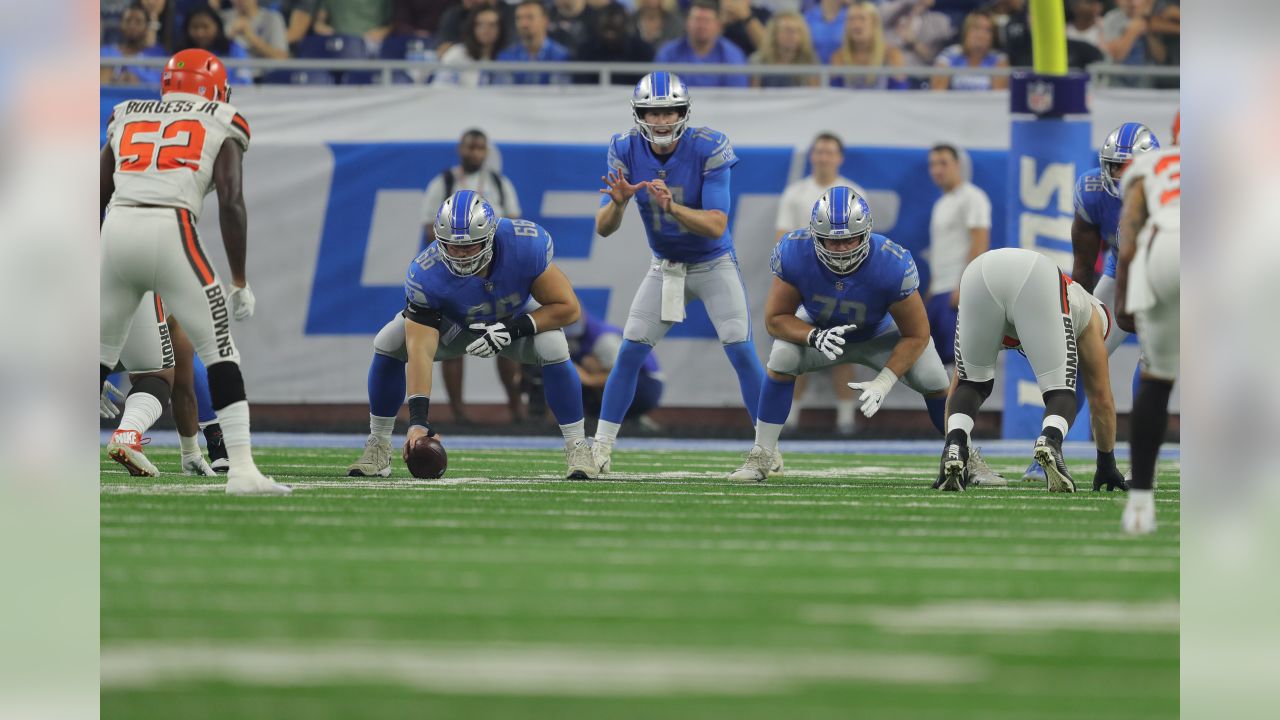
733 331
552 347
226 384
390 340
153 385
982 388
785 358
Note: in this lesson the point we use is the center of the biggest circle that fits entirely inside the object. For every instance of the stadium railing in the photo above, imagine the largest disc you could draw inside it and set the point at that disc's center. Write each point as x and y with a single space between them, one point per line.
389 72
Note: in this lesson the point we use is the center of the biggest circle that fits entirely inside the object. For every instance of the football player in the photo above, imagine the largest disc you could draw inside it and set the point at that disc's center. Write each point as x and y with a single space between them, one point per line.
465 294
1011 298
679 177
842 294
1097 222
161 158
1147 285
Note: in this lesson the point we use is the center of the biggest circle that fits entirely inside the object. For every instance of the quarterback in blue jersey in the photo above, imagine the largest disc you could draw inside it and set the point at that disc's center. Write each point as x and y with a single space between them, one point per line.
842 294
466 293
679 177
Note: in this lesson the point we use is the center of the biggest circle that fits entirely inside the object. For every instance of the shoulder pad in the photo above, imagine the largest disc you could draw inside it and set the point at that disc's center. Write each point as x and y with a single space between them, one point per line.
237 125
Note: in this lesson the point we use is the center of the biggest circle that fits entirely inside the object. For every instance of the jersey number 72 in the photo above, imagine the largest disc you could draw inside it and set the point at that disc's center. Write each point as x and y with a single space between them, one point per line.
136 155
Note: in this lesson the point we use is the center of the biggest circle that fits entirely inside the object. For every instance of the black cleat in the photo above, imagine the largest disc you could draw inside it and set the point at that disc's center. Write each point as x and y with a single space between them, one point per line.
1048 452
953 476
218 459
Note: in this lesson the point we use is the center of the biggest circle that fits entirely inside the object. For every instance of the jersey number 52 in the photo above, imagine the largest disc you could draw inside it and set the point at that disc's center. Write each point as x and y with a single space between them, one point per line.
137 155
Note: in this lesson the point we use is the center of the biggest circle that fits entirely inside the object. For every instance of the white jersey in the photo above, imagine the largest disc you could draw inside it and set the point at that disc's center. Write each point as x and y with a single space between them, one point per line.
1161 175
165 149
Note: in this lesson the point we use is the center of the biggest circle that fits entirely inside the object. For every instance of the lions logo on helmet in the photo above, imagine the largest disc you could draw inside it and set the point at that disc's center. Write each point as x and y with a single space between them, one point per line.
661 91
841 214
465 219
1122 146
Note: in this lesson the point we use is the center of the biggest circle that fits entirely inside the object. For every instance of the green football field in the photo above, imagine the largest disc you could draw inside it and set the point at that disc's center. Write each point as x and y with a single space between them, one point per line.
846 589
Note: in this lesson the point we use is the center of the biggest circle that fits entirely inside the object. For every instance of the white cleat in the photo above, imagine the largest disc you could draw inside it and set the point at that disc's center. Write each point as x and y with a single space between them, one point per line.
776 469
602 457
756 468
1139 516
375 462
196 465
981 474
253 482
582 464
125 448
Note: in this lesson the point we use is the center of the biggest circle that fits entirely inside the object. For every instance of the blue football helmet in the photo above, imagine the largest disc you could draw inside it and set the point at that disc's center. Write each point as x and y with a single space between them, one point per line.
1123 145
465 219
841 214
661 90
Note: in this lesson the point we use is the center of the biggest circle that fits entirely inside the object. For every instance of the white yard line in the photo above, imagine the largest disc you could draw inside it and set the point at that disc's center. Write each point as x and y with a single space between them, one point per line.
970 616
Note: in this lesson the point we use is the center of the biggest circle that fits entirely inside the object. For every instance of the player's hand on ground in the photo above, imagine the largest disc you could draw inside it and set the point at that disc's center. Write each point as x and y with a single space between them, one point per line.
875 391
830 342
242 302
661 194
416 432
617 187
1110 478
493 338
110 396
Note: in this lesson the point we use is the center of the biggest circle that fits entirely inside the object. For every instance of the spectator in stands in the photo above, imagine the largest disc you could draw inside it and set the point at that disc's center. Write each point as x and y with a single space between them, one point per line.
369 19
1014 31
744 24
864 45
484 35
1085 23
976 49
612 40
453 20
417 18
1124 37
826 27
656 22
300 16
593 347
1164 38
473 172
826 156
786 42
704 43
959 231
570 23
916 29
203 29
133 43
159 24
532 44
260 30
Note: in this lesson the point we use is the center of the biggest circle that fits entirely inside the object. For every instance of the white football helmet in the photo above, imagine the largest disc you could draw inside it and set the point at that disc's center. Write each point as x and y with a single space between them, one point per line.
841 214
661 90
465 219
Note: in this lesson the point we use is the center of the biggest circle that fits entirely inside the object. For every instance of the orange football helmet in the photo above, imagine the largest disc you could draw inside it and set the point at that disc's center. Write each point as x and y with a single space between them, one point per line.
198 72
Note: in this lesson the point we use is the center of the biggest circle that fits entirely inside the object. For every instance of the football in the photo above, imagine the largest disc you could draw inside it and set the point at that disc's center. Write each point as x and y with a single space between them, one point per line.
426 458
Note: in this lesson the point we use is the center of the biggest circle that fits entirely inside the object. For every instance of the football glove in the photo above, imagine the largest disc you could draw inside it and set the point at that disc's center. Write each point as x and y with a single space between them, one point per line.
874 392
830 342
110 396
495 337
1109 478
242 302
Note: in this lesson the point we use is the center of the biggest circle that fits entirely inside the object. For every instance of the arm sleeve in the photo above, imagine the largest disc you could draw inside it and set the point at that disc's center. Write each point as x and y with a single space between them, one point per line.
910 278
978 212
775 263
715 191
1082 209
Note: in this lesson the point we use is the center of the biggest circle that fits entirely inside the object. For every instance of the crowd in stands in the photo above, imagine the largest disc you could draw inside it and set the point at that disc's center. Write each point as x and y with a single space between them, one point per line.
893 34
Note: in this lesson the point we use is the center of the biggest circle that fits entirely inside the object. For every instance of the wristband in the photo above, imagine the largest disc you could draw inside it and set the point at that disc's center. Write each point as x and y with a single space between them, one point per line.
522 326
418 407
1106 459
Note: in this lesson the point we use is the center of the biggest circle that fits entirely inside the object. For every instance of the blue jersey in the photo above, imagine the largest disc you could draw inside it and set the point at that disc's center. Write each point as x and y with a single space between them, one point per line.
862 297
1098 207
522 250
697 172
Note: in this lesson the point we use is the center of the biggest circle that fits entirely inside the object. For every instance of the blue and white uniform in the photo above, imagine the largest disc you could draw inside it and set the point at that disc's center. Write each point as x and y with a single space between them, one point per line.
862 298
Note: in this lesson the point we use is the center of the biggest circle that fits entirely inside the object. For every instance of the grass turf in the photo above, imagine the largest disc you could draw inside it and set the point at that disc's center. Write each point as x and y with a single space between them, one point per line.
847 588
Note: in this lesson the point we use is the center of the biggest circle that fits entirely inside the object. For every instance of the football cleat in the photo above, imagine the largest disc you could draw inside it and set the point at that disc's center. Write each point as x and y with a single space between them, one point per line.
757 466
375 462
955 467
1034 473
253 482
1049 454
602 456
218 459
125 448
981 474
582 464
196 465
777 469
1139 516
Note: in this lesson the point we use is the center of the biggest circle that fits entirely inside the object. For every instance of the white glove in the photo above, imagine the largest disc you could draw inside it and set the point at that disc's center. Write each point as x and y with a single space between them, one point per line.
874 392
242 302
830 342
495 337
108 408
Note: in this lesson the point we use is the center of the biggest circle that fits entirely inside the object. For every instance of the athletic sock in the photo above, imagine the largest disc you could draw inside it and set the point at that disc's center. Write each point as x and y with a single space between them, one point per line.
620 388
1147 425
204 401
141 410
767 435
938 413
574 432
234 419
607 432
745 362
386 385
1054 424
381 428
775 400
563 390
961 423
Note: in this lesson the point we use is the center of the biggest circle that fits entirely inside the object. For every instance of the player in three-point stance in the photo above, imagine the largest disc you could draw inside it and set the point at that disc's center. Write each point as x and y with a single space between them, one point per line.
1148 285
465 294
679 177
1013 298
161 158
842 294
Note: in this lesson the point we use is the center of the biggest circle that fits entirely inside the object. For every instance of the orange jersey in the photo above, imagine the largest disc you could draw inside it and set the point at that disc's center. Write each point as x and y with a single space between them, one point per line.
165 149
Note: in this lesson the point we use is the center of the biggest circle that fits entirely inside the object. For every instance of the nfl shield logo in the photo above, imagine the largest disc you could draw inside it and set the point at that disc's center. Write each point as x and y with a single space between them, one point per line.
1040 96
